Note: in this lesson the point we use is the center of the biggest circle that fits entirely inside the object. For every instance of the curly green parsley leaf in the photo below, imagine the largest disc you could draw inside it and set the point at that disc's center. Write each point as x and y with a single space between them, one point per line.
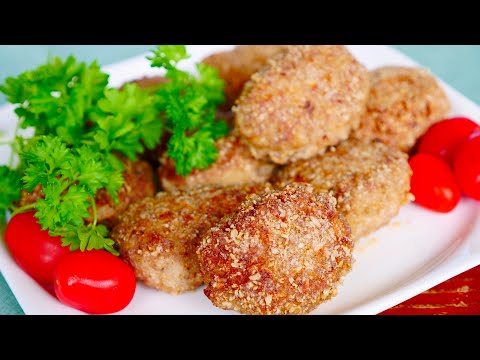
70 179
127 122
81 126
57 98
188 105
10 184
64 203
44 157
168 56
86 238
196 151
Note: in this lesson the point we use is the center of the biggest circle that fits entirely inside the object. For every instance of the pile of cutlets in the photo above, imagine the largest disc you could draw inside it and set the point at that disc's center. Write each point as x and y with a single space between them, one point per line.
317 158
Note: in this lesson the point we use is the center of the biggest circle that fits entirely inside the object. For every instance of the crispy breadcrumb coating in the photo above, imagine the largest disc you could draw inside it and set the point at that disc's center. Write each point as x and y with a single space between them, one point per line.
138 185
159 236
370 180
305 100
403 104
281 252
238 65
235 166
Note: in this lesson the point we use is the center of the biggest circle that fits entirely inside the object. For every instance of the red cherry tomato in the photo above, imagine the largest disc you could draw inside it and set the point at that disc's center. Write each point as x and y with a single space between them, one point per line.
467 167
36 252
95 282
444 138
433 183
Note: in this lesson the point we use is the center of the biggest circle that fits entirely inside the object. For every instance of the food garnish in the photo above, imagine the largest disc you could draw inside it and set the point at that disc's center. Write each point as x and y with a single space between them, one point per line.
10 183
70 179
433 183
82 129
446 164
188 106
445 137
467 167
95 282
34 250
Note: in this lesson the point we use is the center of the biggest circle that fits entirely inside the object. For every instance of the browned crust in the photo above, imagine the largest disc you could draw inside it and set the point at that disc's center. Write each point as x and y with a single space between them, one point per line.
370 180
238 65
159 236
281 252
403 104
29 198
138 184
305 100
235 166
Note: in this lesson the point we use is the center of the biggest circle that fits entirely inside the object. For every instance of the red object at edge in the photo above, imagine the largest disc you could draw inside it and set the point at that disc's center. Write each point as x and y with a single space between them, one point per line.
457 296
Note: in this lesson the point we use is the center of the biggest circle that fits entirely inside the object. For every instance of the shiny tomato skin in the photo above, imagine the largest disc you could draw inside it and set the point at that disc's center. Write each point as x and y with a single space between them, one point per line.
36 252
95 282
444 138
433 183
467 167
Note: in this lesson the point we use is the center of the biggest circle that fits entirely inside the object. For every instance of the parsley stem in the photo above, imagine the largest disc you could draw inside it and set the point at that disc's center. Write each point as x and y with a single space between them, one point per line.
23 209
94 209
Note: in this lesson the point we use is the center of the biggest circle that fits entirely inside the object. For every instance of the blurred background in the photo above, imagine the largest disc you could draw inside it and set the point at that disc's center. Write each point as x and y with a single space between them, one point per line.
458 65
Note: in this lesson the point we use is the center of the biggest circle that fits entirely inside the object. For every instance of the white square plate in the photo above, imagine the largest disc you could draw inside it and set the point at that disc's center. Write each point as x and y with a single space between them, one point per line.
418 250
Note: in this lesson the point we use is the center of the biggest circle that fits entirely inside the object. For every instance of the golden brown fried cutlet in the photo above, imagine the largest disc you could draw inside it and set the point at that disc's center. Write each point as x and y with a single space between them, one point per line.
235 166
370 180
306 99
238 65
138 185
280 252
159 236
403 104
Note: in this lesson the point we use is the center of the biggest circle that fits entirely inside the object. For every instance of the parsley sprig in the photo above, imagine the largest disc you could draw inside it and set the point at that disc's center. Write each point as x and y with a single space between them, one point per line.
188 104
126 122
57 98
82 128
70 179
